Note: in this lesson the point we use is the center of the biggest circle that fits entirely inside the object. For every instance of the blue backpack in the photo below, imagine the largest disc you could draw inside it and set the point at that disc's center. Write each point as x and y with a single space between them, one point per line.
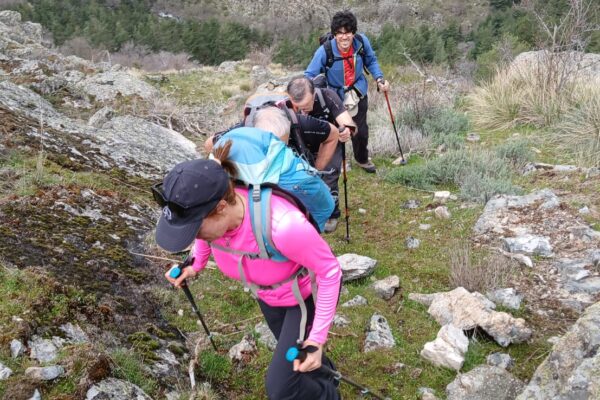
266 165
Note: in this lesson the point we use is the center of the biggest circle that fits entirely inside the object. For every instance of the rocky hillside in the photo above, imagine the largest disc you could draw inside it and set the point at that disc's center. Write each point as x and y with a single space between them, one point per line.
316 14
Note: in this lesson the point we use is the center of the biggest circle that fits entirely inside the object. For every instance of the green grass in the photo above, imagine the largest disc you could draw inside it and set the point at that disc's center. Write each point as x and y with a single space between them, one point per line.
204 86
129 366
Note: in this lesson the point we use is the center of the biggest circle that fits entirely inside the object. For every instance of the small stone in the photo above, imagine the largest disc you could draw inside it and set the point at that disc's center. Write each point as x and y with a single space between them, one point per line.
415 373
5 372
16 348
398 366
473 137
424 227
584 210
42 350
411 204
74 333
426 393
441 196
565 168
36 395
501 360
44 373
379 334
243 350
592 172
340 321
265 336
362 211
386 288
507 297
442 212
412 243
399 161
180 312
356 301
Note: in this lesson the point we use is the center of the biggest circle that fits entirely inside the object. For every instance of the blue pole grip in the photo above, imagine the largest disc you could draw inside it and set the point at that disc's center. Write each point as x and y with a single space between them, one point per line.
175 272
292 354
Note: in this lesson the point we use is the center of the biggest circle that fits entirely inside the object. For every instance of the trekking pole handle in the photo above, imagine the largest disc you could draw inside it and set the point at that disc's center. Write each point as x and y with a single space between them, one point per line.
176 271
295 353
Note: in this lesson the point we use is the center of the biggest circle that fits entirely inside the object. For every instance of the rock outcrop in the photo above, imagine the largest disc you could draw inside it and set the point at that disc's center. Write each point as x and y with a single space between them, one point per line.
572 369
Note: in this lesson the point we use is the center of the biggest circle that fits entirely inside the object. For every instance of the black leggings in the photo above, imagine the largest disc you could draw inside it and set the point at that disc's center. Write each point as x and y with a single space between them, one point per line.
360 140
282 382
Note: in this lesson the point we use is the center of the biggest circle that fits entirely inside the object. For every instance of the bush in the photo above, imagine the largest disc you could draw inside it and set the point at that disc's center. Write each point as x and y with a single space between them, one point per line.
477 186
517 152
445 122
412 175
479 175
445 126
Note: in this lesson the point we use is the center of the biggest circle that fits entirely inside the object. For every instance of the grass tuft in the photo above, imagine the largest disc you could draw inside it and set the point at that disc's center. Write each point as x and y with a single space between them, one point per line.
491 272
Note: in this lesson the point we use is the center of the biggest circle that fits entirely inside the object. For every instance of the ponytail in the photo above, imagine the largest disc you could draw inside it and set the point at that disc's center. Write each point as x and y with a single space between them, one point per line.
221 155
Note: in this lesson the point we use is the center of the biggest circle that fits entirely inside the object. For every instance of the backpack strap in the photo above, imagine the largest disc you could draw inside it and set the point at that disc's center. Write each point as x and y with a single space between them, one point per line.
329 54
296 136
322 103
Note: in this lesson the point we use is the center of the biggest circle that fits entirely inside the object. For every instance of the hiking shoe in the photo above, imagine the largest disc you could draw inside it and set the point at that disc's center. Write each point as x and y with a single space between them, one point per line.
368 167
330 225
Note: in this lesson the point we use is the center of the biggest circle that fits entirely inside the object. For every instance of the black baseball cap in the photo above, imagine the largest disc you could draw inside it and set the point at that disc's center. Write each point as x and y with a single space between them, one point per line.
189 192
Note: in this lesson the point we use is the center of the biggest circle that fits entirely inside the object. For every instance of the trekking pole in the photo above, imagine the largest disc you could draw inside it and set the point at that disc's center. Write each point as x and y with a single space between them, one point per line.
175 272
387 99
345 180
294 353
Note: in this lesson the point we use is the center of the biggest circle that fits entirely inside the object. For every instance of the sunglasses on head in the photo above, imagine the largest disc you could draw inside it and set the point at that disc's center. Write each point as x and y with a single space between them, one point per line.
159 197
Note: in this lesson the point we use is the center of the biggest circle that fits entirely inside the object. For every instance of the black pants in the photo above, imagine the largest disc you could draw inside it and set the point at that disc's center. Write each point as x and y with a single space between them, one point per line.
360 140
282 382
332 180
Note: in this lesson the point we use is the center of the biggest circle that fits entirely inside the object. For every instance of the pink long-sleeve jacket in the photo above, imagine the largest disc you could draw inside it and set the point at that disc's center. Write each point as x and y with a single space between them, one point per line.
296 239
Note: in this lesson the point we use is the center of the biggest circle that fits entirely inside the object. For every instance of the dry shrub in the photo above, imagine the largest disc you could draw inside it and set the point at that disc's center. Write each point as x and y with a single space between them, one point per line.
578 134
382 139
537 92
491 272
132 55
411 104
261 56
80 47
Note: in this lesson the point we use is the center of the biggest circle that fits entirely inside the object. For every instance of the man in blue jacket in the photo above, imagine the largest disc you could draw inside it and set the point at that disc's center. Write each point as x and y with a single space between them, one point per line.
343 67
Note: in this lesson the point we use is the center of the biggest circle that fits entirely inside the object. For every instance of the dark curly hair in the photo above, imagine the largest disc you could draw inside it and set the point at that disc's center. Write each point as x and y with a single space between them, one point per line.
343 19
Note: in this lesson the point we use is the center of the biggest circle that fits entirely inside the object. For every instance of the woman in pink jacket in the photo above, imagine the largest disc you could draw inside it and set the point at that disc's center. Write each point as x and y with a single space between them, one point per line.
203 207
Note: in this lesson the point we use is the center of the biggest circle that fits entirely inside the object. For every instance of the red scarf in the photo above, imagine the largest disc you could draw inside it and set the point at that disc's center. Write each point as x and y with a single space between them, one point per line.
348 66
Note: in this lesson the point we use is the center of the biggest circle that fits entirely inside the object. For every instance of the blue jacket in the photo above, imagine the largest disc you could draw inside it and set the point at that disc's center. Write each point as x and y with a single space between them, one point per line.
335 75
